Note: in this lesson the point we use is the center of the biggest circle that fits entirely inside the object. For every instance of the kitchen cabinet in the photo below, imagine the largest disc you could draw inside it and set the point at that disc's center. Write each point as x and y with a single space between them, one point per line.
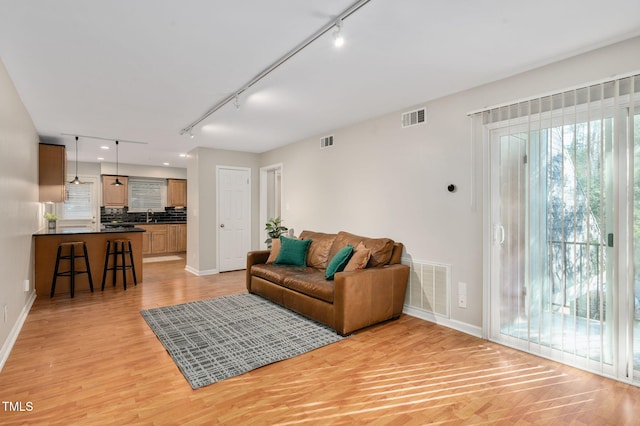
52 172
115 196
154 241
176 192
176 237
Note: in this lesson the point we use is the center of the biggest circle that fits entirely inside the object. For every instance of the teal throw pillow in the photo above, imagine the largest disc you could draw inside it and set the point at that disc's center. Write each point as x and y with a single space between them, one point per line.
292 252
339 261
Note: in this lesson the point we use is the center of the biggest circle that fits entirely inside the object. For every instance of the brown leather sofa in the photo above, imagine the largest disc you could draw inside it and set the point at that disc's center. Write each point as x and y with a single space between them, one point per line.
353 300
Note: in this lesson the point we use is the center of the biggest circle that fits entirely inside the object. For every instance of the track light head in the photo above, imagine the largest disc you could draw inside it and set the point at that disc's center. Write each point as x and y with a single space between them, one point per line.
338 39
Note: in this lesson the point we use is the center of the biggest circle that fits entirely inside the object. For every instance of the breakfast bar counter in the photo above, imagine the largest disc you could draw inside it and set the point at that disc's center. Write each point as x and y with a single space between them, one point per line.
46 246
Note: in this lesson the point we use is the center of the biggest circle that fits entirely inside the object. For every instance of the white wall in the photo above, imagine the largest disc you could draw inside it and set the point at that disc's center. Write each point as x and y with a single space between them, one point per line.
202 250
19 210
381 180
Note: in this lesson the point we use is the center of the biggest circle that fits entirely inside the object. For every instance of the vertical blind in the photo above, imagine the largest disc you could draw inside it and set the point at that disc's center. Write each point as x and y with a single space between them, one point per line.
564 216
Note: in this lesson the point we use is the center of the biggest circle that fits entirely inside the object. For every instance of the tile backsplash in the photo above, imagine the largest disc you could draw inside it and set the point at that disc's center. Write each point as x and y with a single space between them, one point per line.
170 214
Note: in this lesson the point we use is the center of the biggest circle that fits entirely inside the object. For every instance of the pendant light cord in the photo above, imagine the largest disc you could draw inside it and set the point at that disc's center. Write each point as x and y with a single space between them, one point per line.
76 157
117 174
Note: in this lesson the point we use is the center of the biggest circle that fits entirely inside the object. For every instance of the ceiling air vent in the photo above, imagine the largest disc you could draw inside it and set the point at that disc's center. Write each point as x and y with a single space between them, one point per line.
413 118
326 142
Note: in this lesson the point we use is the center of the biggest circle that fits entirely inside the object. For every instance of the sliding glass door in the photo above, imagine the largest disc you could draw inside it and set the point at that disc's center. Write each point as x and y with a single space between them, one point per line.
552 240
565 228
636 244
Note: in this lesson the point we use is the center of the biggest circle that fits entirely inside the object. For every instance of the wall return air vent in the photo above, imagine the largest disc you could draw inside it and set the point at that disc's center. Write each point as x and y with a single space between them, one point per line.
326 142
413 118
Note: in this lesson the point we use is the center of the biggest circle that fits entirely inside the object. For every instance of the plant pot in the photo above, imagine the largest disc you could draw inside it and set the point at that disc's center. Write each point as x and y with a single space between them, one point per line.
52 225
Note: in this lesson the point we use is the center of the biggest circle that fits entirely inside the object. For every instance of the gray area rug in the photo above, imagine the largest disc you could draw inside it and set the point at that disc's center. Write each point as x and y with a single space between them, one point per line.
211 340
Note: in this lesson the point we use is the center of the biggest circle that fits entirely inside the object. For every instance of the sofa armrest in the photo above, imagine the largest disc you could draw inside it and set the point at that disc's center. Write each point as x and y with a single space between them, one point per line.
369 296
254 258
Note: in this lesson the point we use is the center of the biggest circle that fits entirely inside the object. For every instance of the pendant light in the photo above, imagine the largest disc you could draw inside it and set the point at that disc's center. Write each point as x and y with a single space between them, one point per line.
117 181
75 180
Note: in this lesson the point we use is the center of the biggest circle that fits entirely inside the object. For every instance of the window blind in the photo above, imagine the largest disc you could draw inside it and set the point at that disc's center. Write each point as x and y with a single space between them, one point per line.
576 98
145 194
78 202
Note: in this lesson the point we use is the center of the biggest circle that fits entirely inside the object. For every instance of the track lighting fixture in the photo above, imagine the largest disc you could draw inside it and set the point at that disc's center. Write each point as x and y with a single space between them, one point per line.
338 39
117 181
188 133
75 180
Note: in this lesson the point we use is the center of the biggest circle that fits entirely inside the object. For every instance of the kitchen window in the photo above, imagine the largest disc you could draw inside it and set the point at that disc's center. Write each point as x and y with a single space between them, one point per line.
80 208
147 193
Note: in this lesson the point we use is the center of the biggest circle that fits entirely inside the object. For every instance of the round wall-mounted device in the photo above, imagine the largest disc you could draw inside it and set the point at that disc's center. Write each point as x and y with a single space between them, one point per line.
451 188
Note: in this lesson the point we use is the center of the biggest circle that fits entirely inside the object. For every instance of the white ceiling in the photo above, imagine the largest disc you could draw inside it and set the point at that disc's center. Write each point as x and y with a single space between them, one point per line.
142 70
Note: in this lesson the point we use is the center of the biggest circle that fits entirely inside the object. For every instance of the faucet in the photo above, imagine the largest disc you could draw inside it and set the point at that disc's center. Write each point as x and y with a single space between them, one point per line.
149 211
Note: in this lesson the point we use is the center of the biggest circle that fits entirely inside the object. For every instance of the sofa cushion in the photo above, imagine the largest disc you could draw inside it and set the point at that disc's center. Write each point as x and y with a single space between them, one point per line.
310 282
305 280
339 261
359 259
381 248
318 254
292 252
276 273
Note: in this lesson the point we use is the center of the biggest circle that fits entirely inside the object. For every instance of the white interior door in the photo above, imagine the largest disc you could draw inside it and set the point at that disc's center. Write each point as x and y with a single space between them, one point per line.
234 217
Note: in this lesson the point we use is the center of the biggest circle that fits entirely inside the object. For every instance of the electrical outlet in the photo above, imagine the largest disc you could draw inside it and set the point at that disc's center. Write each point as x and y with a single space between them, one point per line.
25 286
6 313
462 295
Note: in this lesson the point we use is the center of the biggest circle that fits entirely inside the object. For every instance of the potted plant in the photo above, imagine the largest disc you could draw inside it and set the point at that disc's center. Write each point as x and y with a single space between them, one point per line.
274 229
51 219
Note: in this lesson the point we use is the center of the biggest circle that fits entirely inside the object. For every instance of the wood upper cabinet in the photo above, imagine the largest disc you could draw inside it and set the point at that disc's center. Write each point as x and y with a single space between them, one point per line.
52 172
115 196
176 192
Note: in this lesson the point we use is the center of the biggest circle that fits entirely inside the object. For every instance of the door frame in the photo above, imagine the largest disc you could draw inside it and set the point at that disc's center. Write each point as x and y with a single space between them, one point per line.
263 198
218 168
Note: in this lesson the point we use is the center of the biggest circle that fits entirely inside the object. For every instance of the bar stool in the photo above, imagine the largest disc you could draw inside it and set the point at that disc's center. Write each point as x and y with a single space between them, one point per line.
120 249
71 251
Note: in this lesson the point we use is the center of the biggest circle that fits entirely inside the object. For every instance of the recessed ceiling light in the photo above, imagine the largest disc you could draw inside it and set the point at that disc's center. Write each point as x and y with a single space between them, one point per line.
166 164
183 155
104 147
100 158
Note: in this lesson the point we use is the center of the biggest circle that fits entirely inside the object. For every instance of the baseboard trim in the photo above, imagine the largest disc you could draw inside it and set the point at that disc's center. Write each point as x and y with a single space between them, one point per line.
456 325
15 331
199 273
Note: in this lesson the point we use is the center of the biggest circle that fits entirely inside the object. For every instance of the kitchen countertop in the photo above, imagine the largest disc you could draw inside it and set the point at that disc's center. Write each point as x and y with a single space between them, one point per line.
143 223
73 231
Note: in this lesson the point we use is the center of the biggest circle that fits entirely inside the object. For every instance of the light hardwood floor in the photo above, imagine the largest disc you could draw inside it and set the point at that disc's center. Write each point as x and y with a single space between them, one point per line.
93 360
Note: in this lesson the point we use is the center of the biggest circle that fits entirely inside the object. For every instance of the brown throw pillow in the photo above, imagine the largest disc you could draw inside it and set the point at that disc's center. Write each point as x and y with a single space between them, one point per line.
275 250
381 248
359 259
